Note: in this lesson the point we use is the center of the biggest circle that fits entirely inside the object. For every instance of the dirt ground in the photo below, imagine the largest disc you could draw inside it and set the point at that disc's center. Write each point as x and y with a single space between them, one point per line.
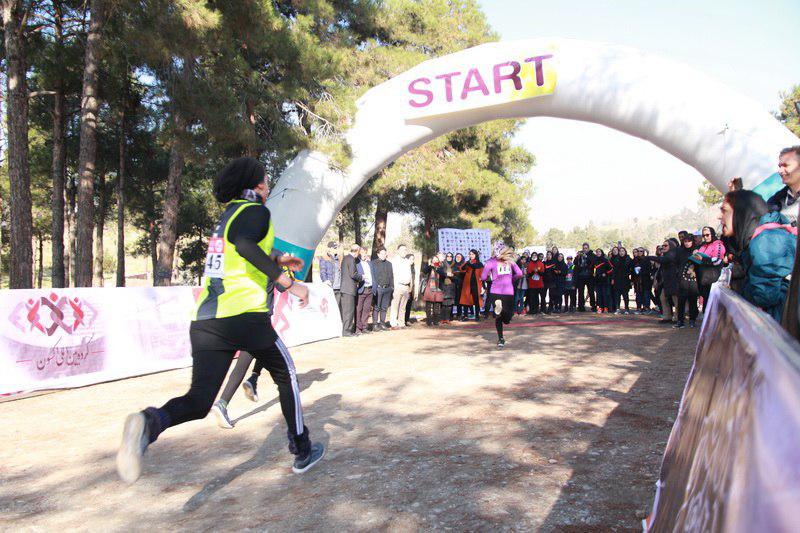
563 430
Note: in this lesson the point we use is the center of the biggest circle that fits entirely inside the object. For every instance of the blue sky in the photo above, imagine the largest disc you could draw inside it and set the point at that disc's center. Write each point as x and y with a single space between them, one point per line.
754 47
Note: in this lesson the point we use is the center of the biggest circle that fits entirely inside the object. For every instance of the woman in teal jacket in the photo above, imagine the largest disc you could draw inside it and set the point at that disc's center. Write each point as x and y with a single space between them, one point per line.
765 245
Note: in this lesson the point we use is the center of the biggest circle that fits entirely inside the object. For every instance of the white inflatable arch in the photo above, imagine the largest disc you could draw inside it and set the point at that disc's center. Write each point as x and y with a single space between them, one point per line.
693 117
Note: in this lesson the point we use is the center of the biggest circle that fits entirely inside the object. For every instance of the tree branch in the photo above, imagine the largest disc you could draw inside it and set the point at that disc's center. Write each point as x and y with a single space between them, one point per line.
34 94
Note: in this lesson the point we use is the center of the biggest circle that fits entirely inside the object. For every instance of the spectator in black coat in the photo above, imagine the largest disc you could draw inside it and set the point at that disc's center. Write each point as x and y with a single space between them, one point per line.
602 271
458 279
549 281
382 286
584 282
688 290
642 279
621 281
669 262
560 277
351 280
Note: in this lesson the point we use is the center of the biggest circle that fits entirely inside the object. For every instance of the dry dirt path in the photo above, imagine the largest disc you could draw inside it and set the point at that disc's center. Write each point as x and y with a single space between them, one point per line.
562 430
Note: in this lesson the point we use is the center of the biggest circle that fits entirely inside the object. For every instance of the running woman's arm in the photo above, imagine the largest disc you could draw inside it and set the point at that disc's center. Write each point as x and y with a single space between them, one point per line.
246 231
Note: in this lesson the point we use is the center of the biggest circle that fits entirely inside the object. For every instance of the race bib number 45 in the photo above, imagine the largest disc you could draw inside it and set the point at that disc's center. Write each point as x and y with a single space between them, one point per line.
215 259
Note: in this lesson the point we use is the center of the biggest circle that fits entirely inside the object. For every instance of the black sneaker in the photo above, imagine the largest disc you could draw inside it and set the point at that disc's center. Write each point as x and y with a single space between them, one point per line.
250 391
135 439
314 456
679 325
501 343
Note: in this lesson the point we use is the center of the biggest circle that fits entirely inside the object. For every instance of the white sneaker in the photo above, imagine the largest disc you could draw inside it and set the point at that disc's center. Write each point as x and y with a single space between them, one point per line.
134 442
498 307
220 412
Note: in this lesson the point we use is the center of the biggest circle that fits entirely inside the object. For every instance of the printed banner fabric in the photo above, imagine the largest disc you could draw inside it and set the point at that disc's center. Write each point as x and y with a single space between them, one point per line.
61 338
732 462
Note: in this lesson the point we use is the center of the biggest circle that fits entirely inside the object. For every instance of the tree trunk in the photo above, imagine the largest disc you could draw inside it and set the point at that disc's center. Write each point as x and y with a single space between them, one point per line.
41 260
121 200
341 225
429 247
356 224
21 275
88 148
381 214
153 250
57 171
169 220
99 279
69 219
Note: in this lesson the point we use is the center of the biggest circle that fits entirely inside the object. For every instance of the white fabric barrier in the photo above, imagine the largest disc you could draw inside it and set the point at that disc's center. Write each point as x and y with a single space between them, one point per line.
62 338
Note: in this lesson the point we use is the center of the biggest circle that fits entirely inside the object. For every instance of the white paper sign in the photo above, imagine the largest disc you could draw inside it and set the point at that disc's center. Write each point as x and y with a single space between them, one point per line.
463 240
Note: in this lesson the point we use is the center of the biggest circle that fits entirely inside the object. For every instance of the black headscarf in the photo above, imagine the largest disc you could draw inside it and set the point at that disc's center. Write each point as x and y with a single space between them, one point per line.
713 233
477 263
748 208
240 174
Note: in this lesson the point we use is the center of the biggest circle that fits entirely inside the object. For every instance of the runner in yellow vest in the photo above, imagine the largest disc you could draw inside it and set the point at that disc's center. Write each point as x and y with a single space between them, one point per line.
232 314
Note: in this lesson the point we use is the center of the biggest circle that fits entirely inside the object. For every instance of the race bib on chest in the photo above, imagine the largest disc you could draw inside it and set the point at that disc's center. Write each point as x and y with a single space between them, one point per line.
503 269
536 277
215 258
569 277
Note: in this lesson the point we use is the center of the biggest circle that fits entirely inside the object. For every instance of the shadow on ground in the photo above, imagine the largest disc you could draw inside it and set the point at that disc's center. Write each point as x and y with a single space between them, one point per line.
561 431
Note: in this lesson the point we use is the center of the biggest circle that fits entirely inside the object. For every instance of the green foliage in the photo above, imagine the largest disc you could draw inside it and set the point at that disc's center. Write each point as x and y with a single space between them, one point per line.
788 112
265 78
469 178
709 195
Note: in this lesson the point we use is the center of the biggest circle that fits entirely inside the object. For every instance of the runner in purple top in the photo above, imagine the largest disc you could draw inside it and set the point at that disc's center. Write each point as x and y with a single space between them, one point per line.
503 271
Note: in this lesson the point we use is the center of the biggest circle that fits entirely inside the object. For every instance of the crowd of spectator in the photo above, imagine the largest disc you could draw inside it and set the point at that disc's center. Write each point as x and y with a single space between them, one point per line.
756 247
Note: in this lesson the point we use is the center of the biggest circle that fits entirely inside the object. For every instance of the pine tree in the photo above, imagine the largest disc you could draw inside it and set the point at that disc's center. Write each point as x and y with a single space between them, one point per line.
88 147
15 34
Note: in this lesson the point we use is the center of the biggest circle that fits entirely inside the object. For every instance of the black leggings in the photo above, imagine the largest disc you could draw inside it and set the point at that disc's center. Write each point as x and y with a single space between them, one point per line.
209 368
684 299
506 315
554 298
705 292
238 373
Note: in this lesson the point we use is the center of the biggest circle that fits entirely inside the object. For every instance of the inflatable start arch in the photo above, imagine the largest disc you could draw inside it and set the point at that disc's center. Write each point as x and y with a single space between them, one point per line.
698 120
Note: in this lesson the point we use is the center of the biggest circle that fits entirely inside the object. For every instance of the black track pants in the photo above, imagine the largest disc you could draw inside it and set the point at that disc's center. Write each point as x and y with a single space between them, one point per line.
208 372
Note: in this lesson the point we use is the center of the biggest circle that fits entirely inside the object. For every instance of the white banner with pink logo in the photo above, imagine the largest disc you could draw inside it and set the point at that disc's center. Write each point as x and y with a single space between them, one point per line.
61 338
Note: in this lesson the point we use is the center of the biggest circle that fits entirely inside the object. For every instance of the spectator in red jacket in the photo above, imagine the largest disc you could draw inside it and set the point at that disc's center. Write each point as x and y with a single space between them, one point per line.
535 273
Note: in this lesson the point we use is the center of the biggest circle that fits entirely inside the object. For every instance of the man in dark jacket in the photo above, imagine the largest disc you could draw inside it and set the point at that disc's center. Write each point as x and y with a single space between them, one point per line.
351 280
785 200
364 305
584 282
382 286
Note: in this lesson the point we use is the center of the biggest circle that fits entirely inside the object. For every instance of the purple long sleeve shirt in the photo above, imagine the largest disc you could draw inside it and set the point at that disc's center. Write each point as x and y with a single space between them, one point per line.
503 276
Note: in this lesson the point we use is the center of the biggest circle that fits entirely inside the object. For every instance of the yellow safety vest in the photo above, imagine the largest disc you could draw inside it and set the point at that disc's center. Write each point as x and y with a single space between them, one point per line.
232 285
